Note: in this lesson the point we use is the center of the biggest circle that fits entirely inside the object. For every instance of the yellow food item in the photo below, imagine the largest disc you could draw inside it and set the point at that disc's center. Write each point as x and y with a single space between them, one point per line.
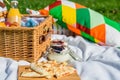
14 16
2 24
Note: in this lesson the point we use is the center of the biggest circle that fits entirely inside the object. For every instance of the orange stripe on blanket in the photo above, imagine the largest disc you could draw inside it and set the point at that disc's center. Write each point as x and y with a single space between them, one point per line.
44 12
99 32
73 29
79 6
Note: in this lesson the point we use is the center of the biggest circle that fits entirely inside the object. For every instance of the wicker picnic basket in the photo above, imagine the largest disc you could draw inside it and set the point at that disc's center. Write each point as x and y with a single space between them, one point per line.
23 43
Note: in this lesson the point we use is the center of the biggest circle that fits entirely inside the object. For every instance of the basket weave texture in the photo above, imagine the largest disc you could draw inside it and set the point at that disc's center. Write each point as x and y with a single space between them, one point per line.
23 43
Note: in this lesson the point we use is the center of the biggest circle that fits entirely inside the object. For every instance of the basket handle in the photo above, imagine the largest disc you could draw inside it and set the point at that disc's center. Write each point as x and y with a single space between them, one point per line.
43 38
46 29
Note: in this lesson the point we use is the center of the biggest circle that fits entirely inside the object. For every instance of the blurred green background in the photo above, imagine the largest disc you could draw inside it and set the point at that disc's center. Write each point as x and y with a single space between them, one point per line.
109 8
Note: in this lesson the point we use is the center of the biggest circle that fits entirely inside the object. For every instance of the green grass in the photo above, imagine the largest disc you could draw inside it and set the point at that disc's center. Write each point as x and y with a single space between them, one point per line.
32 4
109 8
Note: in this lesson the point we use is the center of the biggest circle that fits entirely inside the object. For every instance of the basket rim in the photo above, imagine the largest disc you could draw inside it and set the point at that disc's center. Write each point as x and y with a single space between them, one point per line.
32 15
26 28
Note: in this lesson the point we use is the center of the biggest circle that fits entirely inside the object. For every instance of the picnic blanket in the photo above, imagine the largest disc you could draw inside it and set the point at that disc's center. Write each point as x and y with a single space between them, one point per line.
8 69
97 62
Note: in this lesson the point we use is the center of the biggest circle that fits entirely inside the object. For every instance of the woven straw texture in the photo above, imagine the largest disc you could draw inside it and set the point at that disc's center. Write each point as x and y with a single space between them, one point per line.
23 43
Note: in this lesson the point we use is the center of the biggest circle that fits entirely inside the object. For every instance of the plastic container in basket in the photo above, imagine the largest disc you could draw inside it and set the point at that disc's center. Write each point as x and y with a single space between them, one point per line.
24 43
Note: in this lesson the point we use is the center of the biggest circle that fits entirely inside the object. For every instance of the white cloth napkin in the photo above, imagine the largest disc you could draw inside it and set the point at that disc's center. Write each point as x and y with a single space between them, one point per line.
8 69
98 62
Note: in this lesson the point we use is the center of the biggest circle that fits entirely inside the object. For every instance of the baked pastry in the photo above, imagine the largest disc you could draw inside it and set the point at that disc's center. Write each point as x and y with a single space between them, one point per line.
31 74
49 69
41 69
3 11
